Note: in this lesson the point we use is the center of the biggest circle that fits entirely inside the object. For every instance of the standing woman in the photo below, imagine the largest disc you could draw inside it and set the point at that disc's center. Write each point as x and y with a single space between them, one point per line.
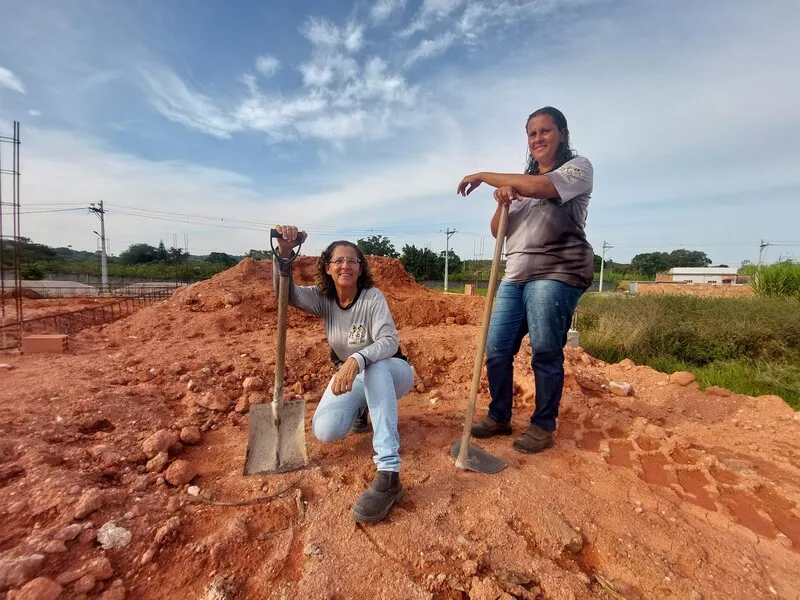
372 372
549 264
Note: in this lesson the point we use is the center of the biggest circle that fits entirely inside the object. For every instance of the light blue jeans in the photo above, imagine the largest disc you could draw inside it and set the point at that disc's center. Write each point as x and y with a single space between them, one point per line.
377 387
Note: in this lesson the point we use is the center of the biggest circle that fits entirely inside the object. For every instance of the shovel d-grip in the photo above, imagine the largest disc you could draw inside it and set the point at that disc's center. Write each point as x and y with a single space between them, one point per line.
284 262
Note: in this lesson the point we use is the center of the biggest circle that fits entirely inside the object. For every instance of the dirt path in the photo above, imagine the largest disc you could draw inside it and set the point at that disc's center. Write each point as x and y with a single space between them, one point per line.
670 493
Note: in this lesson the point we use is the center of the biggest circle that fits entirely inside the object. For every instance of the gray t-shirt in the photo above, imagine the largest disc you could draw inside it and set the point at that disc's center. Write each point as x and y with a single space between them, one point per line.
546 238
364 330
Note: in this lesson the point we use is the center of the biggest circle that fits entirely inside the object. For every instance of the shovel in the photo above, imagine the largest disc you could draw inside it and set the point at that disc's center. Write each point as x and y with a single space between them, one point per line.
468 456
277 442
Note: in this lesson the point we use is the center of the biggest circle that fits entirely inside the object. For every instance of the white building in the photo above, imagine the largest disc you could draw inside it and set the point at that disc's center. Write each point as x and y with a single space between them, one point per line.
721 275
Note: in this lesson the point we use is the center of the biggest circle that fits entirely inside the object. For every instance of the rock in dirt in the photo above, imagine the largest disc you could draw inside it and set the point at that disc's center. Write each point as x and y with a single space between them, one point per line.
111 536
167 529
90 501
40 588
180 472
68 577
627 363
191 435
220 589
214 400
116 591
485 589
15 572
84 585
718 391
242 405
6 367
567 538
253 384
620 388
69 533
158 463
682 378
100 569
256 398
161 441
53 547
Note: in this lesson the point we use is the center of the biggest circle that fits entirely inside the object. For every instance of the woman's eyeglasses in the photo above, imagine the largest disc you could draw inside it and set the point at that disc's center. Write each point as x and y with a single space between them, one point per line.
350 260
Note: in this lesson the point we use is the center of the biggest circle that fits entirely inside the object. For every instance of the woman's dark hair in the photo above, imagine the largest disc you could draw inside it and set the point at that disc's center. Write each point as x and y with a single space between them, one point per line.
564 152
325 281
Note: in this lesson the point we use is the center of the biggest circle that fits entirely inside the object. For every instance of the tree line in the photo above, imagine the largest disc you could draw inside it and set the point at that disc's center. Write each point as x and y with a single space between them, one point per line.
422 263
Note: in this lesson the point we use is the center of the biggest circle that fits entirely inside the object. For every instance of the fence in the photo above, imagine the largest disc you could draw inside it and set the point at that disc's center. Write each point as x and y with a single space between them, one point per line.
72 321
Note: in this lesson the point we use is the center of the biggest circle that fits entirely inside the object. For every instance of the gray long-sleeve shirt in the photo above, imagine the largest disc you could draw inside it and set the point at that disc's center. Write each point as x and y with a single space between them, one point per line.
364 330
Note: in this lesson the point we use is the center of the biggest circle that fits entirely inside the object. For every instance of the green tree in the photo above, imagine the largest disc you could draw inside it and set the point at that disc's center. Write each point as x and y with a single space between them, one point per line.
421 263
688 258
259 254
161 253
651 263
138 254
454 264
222 258
377 245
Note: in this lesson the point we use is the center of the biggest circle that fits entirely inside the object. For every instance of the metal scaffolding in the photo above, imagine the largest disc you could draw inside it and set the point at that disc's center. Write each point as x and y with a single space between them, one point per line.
10 259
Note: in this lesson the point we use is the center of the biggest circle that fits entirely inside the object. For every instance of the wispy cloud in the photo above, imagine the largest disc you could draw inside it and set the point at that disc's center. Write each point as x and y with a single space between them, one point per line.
430 48
383 9
9 80
327 36
35 113
430 12
267 65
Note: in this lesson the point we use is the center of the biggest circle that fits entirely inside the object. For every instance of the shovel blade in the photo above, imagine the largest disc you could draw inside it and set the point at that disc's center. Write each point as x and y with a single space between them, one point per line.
478 460
276 447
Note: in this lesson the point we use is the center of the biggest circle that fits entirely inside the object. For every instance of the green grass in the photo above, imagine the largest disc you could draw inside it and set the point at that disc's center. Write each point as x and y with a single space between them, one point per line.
780 280
750 346
457 287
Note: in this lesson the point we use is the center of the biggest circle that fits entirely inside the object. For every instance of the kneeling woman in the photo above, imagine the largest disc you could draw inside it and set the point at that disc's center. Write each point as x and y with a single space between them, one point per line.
372 372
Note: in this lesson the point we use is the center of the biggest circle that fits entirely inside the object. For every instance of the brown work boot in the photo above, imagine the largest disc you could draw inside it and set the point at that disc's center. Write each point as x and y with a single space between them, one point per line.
533 440
490 428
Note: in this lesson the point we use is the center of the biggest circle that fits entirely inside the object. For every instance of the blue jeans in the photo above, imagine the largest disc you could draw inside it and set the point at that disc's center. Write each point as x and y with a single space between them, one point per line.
377 387
542 308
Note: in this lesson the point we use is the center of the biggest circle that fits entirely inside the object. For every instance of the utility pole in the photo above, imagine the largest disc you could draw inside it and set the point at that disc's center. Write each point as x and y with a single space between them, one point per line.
101 213
448 232
603 262
762 252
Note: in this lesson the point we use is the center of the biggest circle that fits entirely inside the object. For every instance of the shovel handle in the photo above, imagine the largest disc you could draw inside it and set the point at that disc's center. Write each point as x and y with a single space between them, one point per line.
502 227
284 262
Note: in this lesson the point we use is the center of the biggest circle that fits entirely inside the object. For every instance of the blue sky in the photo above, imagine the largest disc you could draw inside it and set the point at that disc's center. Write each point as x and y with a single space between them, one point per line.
351 118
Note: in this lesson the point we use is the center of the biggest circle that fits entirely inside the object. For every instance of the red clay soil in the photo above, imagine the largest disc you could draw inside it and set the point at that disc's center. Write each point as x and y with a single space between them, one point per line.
673 492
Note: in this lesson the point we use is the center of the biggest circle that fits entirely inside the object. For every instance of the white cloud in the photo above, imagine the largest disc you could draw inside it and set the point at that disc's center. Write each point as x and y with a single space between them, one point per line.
353 37
35 113
9 80
321 32
267 65
173 99
430 48
383 9
430 12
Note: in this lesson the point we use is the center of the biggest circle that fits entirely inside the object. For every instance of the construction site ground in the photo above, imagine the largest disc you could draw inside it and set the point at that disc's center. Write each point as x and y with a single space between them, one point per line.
121 469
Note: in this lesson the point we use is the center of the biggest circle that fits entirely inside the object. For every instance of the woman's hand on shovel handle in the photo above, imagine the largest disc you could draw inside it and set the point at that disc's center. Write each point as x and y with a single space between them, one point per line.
290 238
345 376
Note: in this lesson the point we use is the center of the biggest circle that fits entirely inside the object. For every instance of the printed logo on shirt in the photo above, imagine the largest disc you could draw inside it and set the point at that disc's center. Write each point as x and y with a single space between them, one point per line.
570 172
357 336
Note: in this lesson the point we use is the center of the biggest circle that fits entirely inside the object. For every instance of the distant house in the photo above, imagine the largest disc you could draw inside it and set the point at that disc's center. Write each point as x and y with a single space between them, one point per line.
708 275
